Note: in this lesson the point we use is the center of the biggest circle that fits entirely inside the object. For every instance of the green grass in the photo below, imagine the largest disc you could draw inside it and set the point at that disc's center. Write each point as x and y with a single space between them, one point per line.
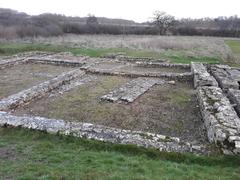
179 97
13 48
187 60
27 154
234 45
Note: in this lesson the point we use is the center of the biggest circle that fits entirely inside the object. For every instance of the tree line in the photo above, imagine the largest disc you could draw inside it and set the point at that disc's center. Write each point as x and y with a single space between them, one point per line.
15 24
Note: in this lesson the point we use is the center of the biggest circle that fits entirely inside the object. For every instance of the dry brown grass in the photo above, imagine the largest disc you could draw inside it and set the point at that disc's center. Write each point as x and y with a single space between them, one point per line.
191 46
183 46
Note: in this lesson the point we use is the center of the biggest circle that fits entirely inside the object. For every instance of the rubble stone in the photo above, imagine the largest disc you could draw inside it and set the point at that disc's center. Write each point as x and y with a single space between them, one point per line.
226 77
220 118
234 96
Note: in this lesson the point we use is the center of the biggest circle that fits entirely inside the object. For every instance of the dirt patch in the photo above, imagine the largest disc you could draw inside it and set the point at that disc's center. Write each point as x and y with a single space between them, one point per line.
8 153
24 76
167 109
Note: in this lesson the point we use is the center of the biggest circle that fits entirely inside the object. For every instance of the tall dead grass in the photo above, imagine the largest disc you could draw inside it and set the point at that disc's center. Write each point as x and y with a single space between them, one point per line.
187 45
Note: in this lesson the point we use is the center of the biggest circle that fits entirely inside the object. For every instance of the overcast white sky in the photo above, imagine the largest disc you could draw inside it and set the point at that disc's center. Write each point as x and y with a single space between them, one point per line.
138 10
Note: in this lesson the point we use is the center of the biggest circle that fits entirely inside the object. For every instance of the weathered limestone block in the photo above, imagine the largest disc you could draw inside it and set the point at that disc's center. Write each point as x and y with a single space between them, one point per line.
234 96
201 76
226 77
131 90
99 132
39 90
220 119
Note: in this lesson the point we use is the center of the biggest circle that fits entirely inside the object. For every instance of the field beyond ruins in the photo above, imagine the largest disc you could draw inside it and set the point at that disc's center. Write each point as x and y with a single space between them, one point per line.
120 107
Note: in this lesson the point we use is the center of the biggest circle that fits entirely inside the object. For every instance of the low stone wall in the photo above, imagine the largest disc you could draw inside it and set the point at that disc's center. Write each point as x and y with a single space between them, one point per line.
169 65
226 77
171 76
79 81
11 62
65 62
220 119
131 90
38 91
101 133
135 59
201 77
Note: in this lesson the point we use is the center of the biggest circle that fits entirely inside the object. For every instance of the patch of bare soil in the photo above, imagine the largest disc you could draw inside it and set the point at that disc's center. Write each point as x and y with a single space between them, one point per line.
8 153
24 76
165 109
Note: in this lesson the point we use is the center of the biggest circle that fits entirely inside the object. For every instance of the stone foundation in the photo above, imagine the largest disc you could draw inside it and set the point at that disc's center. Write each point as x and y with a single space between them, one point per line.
201 76
171 76
227 77
101 133
135 59
11 62
79 81
38 91
131 90
168 65
61 62
220 118
20 58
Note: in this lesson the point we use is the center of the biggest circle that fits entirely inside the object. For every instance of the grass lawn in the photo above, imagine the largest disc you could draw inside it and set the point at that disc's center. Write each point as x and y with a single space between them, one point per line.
234 45
13 48
26 154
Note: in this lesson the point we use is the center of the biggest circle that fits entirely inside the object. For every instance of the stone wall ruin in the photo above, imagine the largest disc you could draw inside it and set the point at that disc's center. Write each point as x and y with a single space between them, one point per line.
220 106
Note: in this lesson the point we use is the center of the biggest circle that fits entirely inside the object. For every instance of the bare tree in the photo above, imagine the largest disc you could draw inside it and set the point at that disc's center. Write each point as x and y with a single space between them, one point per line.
163 21
92 20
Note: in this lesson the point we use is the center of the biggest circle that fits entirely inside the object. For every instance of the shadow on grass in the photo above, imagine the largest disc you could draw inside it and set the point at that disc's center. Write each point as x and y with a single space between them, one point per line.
18 134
